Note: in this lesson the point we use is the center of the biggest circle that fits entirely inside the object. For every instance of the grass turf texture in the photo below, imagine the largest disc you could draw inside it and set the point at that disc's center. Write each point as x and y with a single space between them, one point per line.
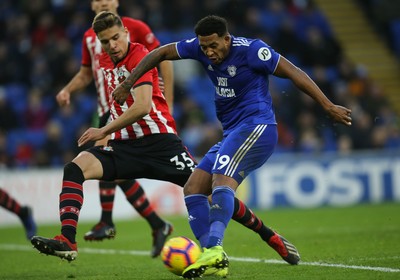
360 242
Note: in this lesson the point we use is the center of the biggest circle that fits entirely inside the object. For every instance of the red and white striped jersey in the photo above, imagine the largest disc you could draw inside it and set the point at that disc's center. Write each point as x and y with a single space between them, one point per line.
159 120
139 32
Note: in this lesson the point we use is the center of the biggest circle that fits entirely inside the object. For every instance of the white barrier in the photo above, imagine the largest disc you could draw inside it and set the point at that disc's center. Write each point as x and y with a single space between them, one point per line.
40 189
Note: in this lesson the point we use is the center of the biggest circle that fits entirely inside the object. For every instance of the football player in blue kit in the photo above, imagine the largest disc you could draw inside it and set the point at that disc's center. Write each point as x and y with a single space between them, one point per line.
239 69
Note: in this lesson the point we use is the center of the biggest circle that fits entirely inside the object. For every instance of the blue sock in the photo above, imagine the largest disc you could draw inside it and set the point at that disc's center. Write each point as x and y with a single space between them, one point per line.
221 212
198 208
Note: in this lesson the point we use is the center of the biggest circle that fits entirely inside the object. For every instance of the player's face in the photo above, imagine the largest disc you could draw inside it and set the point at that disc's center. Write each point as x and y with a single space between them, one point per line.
104 6
114 41
214 47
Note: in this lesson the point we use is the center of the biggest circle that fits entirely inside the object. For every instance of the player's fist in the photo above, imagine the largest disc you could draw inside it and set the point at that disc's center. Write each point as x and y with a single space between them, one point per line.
63 97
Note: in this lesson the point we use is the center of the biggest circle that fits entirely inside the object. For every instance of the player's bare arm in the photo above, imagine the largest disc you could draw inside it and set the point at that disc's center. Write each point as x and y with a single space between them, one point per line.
140 108
286 69
167 52
81 80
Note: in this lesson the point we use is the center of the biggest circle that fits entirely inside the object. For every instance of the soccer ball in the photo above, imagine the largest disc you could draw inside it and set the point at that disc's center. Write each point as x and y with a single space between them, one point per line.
178 253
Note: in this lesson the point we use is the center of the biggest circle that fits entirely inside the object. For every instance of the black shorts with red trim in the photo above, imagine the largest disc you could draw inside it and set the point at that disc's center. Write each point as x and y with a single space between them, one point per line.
158 156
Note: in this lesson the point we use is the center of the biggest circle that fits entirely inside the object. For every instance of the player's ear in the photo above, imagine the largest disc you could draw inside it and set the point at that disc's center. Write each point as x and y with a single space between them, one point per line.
227 39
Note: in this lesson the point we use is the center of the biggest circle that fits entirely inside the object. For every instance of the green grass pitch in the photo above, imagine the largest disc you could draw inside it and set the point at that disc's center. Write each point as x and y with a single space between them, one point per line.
358 242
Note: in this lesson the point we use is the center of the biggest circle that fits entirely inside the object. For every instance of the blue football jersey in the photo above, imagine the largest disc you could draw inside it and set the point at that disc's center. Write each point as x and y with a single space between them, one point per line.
241 80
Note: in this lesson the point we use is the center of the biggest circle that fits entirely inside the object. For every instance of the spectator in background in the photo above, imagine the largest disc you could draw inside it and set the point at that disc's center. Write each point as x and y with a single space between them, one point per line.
52 151
36 114
5 159
9 119
317 50
308 15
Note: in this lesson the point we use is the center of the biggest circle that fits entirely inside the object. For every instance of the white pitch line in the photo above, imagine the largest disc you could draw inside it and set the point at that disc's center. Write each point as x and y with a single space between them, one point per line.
16 247
359 267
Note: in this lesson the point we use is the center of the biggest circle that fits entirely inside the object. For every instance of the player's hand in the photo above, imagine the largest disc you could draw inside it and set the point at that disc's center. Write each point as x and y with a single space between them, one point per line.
121 93
63 98
92 134
340 114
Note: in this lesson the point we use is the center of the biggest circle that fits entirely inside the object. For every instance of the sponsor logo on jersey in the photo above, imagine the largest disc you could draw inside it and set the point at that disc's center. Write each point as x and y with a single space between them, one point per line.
223 89
190 40
264 54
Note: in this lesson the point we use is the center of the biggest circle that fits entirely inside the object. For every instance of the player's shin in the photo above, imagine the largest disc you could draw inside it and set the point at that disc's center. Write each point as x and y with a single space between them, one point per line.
243 215
198 209
221 211
71 200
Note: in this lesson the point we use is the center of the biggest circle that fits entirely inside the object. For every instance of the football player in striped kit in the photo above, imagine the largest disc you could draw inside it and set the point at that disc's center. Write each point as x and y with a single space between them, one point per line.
143 144
139 32
239 69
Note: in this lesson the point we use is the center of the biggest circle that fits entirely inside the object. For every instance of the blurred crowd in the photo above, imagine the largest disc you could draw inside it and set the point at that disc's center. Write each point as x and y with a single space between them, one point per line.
385 17
40 51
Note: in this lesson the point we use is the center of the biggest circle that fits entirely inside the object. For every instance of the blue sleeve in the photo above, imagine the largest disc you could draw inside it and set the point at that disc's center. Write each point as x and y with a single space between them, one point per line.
188 48
262 57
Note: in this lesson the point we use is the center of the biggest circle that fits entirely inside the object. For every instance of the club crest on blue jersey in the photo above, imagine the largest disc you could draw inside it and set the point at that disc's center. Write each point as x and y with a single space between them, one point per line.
231 70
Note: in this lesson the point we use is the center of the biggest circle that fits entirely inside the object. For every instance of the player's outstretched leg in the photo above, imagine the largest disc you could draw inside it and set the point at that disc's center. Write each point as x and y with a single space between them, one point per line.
137 198
243 215
105 228
213 260
71 199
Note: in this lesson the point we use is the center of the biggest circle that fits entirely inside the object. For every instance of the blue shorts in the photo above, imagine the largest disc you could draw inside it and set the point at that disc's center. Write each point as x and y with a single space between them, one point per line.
245 149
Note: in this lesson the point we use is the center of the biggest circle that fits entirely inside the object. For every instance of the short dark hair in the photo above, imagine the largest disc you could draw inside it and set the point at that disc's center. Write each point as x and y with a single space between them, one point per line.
210 25
105 20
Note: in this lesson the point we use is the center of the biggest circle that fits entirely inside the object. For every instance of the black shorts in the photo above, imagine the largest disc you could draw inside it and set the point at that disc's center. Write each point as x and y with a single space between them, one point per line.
160 156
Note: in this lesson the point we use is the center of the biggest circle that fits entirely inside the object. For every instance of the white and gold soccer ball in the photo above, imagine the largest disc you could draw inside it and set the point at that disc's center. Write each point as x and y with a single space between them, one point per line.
178 253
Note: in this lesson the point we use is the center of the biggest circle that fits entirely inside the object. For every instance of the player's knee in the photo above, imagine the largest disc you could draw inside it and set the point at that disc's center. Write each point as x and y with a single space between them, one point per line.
187 189
195 188
73 172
